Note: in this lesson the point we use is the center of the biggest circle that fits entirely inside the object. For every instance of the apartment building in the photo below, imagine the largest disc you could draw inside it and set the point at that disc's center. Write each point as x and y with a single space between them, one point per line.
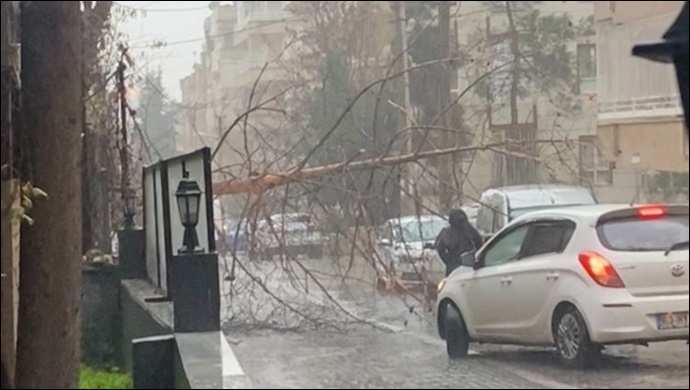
483 32
244 39
640 145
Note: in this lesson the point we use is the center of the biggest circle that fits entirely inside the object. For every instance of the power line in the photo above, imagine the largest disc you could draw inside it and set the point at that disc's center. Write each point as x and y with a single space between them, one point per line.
147 10
228 34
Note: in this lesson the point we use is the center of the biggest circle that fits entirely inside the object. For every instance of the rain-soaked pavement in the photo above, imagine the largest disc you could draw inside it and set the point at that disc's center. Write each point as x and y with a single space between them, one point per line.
363 359
398 347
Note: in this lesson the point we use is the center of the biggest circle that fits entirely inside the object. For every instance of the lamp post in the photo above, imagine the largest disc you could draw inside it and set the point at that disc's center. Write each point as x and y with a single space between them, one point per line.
130 206
188 196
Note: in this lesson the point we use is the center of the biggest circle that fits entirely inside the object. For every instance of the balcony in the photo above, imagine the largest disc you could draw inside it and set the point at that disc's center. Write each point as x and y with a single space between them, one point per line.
261 17
640 109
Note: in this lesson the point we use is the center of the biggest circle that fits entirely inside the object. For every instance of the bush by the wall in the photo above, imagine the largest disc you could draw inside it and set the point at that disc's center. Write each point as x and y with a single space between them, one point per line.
100 379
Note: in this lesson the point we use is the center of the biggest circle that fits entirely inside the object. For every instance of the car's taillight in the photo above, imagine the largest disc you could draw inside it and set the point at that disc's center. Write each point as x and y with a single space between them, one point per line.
651 212
601 270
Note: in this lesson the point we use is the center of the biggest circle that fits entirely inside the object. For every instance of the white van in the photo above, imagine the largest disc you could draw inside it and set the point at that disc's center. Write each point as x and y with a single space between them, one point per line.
500 206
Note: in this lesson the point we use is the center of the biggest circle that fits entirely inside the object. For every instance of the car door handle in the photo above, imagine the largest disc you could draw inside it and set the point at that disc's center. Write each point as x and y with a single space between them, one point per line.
507 281
553 276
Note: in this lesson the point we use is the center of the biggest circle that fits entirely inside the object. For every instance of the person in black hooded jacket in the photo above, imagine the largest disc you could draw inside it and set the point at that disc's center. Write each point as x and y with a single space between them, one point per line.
457 239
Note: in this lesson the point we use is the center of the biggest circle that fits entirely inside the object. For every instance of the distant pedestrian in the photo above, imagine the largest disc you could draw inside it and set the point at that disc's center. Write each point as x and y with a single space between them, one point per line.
457 239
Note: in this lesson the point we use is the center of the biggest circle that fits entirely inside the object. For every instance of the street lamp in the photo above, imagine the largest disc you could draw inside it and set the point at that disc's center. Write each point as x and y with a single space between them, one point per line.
188 196
130 204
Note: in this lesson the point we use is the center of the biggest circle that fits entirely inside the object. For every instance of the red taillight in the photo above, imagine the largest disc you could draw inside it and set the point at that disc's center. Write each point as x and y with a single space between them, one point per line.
601 270
651 212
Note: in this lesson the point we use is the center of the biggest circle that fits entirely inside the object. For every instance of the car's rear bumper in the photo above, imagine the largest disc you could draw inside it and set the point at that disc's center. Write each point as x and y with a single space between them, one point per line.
634 320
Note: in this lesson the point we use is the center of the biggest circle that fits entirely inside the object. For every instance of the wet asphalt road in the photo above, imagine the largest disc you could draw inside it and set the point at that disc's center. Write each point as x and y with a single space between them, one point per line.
401 350
363 359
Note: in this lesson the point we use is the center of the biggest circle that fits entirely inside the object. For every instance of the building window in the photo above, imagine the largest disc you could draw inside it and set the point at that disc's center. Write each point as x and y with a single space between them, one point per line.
586 68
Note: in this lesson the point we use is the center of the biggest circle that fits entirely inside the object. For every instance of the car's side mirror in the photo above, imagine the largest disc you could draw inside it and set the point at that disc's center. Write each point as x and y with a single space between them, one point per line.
469 259
385 242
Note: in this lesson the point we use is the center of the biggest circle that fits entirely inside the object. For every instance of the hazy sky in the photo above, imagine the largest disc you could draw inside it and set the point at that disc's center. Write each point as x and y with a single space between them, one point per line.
179 24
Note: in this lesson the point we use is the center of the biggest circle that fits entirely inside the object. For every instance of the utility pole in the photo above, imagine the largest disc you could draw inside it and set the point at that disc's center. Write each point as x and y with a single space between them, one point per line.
513 169
125 180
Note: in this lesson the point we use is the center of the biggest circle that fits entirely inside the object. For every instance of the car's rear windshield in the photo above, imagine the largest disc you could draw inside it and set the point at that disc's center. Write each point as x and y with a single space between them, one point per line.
644 235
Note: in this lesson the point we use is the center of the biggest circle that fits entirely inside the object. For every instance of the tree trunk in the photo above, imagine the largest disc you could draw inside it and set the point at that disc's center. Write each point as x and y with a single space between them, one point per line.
48 345
446 189
95 198
514 165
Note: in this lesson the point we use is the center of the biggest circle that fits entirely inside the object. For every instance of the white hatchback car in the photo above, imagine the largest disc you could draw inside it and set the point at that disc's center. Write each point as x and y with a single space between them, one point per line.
576 278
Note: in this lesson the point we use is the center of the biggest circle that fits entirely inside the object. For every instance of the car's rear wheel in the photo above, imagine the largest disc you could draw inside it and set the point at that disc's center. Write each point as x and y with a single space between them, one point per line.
457 338
573 342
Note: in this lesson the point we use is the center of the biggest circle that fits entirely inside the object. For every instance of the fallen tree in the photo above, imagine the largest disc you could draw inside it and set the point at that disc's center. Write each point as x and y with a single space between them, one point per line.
262 183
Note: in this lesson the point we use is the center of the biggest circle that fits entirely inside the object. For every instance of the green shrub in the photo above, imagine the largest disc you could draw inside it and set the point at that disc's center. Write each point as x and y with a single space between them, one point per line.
103 379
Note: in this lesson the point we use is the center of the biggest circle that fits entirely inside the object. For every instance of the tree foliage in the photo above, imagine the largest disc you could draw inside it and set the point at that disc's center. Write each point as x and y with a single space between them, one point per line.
545 62
156 117
337 39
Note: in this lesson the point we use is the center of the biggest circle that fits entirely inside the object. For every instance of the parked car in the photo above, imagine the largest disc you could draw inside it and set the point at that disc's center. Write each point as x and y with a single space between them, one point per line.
236 234
406 246
293 234
500 206
577 278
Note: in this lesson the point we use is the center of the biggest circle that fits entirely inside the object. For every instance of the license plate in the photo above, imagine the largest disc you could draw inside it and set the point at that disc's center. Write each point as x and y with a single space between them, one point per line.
670 321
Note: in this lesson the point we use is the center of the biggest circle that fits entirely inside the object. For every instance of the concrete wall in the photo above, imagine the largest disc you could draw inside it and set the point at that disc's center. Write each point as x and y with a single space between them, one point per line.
100 316
197 360
661 144
141 319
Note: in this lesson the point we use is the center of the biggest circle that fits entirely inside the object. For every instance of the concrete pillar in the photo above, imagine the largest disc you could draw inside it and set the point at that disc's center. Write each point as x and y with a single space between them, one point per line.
132 254
154 362
101 322
195 290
